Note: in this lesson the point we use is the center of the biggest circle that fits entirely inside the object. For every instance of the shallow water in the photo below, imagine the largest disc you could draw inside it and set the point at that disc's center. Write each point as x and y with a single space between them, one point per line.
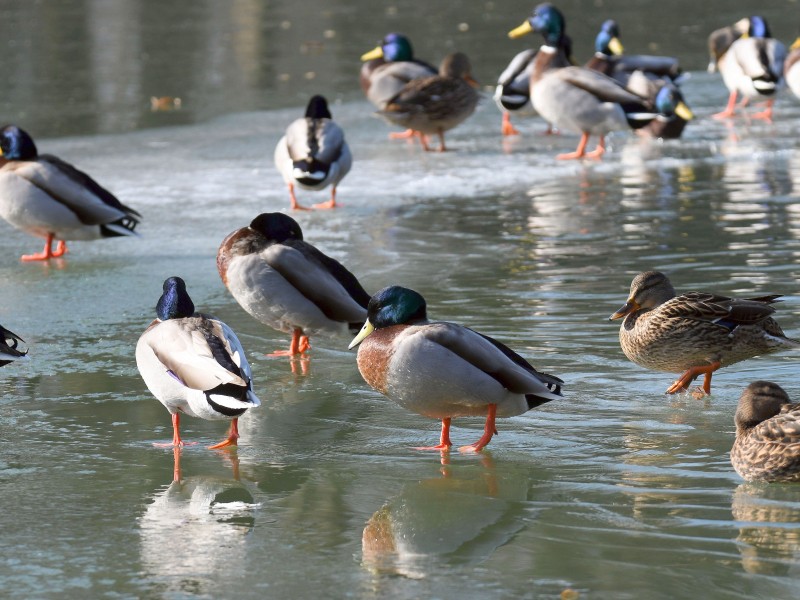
617 491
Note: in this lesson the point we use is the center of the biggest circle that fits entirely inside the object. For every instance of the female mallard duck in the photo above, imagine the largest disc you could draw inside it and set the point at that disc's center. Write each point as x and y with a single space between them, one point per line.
443 370
287 283
49 198
609 59
694 333
513 92
435 104
313 154
767 446
791 68
750 61
194 364
9 341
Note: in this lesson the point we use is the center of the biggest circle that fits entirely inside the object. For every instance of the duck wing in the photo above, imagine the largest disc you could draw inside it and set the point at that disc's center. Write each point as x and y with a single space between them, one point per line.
722 310
604 88
495 359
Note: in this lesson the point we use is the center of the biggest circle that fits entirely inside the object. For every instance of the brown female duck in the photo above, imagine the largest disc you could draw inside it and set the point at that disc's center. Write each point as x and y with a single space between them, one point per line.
767 446
695 333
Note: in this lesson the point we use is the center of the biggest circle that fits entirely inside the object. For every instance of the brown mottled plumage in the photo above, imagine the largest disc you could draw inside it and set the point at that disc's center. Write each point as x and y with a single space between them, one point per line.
694 333
767 446
433 105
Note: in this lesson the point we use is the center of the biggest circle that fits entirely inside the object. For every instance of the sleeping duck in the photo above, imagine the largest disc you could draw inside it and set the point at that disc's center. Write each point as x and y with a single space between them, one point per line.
313 154
9 341
443 370
671 113
435 104
289 285
49 198
694 333
767 445
750 61
194 364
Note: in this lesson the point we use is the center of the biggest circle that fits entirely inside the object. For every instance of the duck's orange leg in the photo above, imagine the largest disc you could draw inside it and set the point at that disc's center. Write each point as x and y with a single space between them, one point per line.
298 345
442 147
580 151
330 203
730 110
231 440
599 150
507 128
682 384
403 135
765 114
489 430
177 442
47 253
294 205
444 438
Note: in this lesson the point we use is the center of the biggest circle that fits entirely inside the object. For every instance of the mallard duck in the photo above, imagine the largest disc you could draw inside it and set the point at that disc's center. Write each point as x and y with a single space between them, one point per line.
609 59
9 341
767 446
695 333
313 154
513 92
791 68
389 67
286 283
671 114
443 370
49 198
435 104
194 364
750 61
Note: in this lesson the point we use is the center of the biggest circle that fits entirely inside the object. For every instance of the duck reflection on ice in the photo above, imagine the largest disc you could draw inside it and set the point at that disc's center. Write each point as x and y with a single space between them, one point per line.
769 538
450 519
193 522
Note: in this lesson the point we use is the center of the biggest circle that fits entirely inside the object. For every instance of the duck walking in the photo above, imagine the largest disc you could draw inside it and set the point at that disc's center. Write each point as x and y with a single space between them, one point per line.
288 284
313 153
436 104
750 61
767 445
9 342
47 197
694 333
194 364
443 370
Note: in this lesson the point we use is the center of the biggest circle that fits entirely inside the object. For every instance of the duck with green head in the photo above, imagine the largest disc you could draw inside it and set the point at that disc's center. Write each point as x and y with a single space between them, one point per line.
47 197
767 445
443 370
194 364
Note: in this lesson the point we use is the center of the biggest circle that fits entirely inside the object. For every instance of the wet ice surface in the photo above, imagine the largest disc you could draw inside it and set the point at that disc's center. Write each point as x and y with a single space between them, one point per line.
616 491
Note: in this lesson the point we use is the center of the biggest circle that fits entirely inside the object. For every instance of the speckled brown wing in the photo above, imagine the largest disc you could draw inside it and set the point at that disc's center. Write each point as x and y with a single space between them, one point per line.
719 309
770 451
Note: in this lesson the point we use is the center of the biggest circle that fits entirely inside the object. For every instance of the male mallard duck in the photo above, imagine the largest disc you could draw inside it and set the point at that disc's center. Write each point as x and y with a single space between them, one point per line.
389 67
513 92
671 112
443 370
694 333
47 197
750 61
435 104
194 364
8 347
313 154
767 446
609 59
287 283
791 68
575 98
